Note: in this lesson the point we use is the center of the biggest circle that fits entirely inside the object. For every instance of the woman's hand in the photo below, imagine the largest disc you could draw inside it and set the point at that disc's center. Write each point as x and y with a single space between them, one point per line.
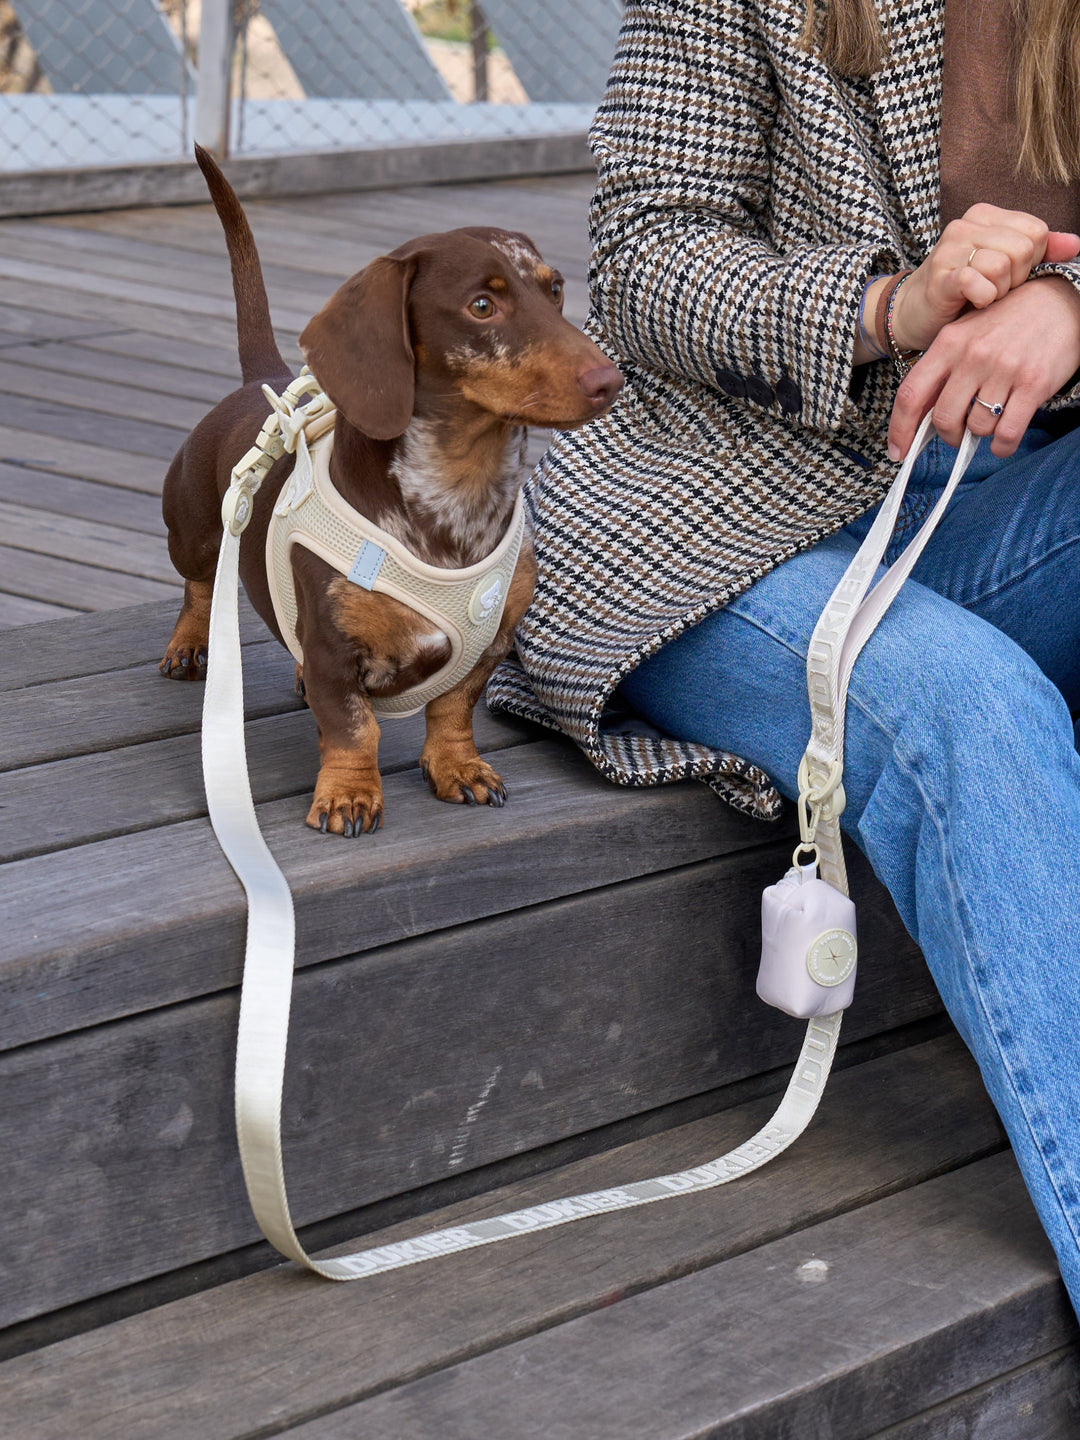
979 259
1016 354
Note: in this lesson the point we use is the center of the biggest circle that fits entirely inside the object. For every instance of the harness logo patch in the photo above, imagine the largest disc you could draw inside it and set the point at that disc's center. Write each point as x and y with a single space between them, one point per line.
487 598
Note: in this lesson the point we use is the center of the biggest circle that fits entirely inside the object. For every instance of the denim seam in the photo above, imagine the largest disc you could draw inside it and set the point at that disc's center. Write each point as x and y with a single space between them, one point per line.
1018 576
799 655
958 901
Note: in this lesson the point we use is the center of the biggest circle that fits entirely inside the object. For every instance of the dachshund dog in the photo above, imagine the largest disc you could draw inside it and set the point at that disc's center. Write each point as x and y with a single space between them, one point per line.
436 357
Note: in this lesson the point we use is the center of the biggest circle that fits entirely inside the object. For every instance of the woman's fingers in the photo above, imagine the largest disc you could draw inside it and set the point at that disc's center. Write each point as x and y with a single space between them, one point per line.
1061 245
917 393
1003 254
975 287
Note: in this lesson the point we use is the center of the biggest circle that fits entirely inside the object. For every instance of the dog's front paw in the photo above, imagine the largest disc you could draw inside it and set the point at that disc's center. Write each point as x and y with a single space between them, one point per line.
461 777
347 802
184 662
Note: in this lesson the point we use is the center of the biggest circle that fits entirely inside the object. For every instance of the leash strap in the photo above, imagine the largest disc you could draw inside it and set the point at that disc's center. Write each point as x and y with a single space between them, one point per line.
266 990
846 623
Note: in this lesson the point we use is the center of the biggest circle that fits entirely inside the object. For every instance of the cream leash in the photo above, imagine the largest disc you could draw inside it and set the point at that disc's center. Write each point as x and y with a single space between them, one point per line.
266 990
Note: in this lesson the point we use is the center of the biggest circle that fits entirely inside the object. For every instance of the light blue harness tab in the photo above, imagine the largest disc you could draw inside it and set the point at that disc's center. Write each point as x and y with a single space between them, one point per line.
367 564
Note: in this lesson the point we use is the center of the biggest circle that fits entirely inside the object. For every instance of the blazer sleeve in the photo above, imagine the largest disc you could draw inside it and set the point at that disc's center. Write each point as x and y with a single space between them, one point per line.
684 279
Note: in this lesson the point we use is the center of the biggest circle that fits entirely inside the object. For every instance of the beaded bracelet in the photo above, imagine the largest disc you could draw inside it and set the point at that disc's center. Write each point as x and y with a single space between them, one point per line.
869 343
902 359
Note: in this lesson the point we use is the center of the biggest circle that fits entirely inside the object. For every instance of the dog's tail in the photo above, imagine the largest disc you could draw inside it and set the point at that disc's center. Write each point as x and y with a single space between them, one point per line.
260 357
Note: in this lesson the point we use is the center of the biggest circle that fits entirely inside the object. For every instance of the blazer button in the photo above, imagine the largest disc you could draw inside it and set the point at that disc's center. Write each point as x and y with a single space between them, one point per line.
789 395
730 383
759 390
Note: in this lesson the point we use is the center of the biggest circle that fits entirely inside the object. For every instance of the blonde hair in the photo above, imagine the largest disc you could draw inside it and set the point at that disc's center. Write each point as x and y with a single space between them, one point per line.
848 36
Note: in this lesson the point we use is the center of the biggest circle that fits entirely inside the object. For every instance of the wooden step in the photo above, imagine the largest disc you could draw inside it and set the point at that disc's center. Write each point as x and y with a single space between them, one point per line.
839 1330
582 956
692 1317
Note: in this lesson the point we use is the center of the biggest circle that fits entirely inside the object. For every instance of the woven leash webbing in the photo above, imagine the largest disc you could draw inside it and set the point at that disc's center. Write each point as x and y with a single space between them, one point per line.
266 990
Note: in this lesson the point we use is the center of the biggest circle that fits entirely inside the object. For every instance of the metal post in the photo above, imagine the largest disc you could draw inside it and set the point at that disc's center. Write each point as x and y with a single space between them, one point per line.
479 52
213 94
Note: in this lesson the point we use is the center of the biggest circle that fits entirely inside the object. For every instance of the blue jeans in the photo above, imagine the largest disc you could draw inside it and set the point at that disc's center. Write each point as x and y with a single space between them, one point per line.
961 767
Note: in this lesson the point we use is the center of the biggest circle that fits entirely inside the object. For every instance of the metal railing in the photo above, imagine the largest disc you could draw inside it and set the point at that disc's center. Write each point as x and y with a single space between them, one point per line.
114 82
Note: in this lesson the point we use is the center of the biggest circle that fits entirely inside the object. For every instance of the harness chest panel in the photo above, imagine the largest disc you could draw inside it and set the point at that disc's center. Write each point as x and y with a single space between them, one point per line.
467 605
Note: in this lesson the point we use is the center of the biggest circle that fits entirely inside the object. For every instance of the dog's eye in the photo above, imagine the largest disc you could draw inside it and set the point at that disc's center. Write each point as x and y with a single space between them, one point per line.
556 289
483 307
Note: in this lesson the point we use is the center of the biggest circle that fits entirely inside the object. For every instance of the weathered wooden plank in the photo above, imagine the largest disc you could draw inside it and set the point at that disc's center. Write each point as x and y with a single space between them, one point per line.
109 250
91 797
102 397
557 230
565 830
97 643
128 706
1038 1401
30 324
47 492
76 586
346 241
347 1342
49 532
119 314
965 1287
141 374
218 360
40 450
158 296
17 610
205 278
49 418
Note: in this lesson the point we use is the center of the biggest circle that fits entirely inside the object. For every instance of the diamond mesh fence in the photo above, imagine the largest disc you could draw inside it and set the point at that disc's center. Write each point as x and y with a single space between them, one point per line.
107 82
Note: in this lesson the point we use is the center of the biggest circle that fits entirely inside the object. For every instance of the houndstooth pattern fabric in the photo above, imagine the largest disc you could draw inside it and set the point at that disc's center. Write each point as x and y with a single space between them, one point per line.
745 195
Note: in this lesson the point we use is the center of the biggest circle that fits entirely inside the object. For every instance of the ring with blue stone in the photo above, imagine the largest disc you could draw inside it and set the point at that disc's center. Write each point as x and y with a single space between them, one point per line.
994 409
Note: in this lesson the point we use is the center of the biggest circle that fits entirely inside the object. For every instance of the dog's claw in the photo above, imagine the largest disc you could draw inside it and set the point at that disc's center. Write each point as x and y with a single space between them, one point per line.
467 795
166 666
348 830
201 658
323 818
376 822
497 798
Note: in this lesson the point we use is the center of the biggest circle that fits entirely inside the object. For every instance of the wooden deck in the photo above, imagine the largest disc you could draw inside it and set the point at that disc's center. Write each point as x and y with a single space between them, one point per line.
117 334
492 1007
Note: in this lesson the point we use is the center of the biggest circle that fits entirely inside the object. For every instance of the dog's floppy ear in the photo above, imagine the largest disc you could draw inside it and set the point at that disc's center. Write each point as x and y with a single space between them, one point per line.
358 346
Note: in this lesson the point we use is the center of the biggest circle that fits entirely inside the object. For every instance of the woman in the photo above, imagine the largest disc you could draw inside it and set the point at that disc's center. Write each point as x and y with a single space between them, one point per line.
766 175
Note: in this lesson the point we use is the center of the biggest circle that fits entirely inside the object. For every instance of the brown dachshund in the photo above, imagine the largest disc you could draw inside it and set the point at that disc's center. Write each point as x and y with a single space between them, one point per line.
436 357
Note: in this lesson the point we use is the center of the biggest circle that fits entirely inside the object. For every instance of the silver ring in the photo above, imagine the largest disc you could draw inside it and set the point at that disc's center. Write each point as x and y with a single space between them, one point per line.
994 409
974 249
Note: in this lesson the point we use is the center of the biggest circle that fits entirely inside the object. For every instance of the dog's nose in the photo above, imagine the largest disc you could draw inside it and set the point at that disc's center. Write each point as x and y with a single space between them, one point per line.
601 385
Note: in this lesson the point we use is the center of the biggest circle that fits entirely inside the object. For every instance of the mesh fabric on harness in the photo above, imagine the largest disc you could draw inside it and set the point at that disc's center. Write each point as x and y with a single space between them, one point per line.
466 604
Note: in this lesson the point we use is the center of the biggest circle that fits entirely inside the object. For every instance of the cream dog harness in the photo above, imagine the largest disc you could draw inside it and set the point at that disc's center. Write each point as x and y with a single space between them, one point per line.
467 604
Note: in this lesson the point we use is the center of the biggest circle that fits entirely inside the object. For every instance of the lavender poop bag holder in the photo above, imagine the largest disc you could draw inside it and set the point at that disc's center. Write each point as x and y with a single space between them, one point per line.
809 946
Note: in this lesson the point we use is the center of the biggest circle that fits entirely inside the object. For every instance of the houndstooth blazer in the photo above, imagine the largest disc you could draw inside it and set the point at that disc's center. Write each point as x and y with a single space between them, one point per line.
745 196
